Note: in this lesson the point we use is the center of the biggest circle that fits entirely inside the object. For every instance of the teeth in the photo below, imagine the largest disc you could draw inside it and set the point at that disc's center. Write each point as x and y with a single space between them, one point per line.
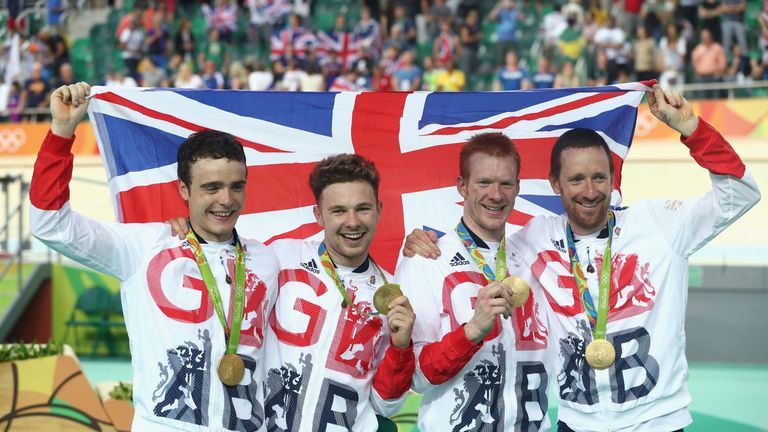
589 205
352 236
221 214
493 208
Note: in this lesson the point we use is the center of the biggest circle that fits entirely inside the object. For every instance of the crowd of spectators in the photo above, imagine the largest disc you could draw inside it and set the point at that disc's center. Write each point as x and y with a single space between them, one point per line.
438 45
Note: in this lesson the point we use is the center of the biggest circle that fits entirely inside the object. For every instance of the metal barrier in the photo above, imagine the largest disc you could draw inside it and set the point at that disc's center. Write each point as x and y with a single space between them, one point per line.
8 258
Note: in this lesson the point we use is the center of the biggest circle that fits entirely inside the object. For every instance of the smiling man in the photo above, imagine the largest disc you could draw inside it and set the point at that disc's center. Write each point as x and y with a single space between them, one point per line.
476 370
195 308
616 280
334 360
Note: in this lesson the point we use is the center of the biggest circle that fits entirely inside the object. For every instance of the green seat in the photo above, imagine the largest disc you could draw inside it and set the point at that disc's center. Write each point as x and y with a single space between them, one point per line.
386 425
92 310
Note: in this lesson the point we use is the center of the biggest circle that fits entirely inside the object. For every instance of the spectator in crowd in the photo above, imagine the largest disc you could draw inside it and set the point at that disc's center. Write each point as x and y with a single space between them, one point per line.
429 77
157 39
214 50
709 18
186 78
261 22
506 15
598 73
613 41
447 46
688 11
133 44
36 92
589 28
127 19
571 42
119 79
260 79
66 76
332 68
511 76
238 76
655 13
644 50
212 78
278 71
408 76
438 12
380 79
709 61
313 80
451 79
346 82
367 33
740 66
15 104
567 77
223 18
152 75
553 24
629 15
293 76
56 46
543 78
471 35
184 41
403 27
733 24
670 60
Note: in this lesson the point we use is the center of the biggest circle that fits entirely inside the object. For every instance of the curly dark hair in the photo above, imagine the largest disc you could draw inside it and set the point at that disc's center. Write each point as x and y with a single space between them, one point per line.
206 144
343 168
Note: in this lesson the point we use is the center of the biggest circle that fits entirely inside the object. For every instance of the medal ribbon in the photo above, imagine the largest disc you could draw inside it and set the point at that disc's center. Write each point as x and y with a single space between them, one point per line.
479 259
233 334
330 268
597 317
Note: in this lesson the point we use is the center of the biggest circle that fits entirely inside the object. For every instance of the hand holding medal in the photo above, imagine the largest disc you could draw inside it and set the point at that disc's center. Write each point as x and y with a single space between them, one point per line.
390 301
520 290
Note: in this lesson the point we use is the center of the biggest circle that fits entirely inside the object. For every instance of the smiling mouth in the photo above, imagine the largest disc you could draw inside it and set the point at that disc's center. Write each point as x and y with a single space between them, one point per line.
493 209
222 214
352 236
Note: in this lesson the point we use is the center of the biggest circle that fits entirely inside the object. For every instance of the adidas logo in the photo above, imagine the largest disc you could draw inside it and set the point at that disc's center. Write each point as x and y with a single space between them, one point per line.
458 260
559 245
311 266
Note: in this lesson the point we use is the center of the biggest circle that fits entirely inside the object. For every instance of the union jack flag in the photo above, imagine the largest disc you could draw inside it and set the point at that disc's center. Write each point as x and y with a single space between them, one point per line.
414 139
300 39
341 42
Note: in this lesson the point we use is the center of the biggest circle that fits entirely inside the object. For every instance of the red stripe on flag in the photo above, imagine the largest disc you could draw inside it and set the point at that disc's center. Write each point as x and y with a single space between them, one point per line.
269 188
506 122
302 232
119 100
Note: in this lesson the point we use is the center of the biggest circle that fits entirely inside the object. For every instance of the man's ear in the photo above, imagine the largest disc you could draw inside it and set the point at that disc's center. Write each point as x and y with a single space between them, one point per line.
183 191
318 215
555 184
461 186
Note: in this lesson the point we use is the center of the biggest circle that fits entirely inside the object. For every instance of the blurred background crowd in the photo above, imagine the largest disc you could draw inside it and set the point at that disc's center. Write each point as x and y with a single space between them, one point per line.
378 45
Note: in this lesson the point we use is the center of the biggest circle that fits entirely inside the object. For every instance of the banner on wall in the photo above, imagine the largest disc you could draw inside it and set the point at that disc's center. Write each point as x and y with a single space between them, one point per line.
24 139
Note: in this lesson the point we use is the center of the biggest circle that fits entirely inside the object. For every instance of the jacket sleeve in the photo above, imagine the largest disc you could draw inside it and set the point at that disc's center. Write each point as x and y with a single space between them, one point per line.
392 380
438 357
691 223
108 248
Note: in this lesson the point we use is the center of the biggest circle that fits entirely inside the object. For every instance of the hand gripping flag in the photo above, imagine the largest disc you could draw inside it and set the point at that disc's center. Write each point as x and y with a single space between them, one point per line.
413 138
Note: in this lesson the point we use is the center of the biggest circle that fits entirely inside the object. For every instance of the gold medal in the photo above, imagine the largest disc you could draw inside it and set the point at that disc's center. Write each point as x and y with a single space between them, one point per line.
600 353
520 290
231 369
384 295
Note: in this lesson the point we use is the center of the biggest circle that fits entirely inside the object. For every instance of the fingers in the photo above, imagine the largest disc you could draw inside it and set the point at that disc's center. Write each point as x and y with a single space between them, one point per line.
422 243
74 94
179 227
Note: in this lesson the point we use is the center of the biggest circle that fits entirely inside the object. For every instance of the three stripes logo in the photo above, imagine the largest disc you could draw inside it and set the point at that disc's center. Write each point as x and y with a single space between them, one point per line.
458 260
311 266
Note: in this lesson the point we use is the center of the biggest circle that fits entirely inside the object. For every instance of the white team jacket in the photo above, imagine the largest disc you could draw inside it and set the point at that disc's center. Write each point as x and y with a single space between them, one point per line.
652 241
322 357
502 386
175 336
